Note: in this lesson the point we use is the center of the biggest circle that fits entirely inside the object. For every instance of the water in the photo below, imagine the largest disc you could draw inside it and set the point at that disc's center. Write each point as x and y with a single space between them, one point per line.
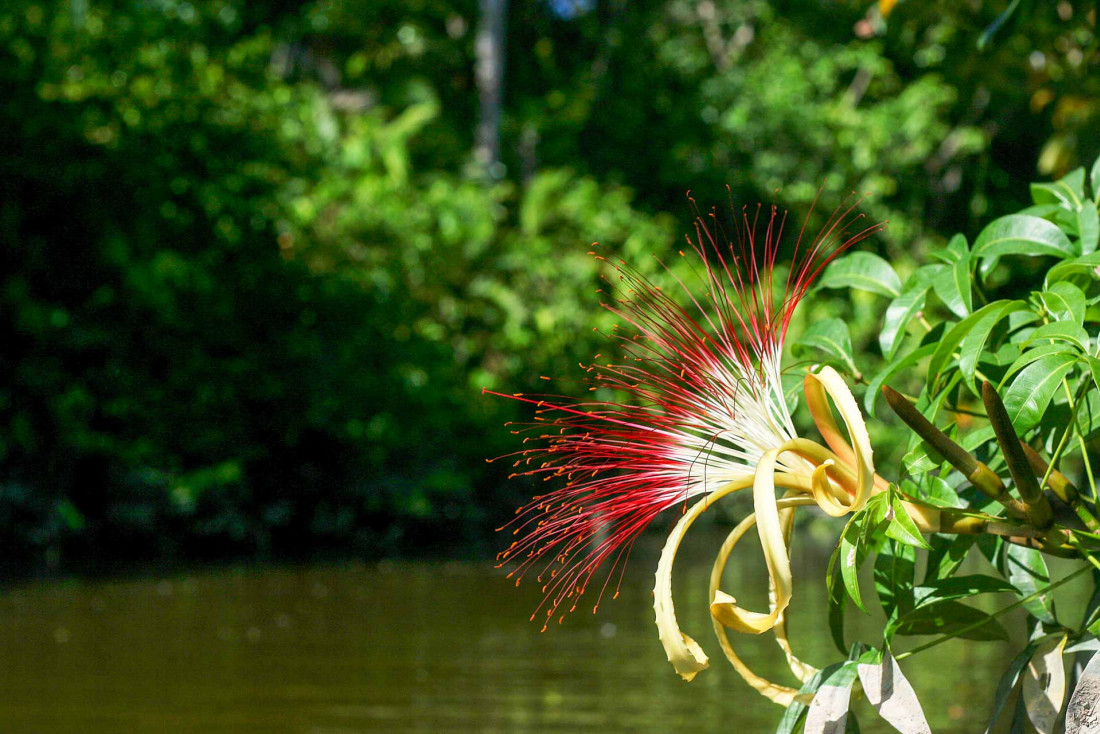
410 647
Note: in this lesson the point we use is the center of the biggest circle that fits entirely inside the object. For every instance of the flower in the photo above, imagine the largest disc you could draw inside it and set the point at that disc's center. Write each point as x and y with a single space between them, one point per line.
707 416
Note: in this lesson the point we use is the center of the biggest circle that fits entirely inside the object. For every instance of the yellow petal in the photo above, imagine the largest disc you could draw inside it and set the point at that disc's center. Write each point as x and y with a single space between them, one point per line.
722 605
775 553
682 651
826 382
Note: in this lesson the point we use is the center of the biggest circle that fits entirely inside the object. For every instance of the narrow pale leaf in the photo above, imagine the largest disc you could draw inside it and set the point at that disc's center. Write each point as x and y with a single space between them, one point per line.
899 313
890 693
828 712
1045 685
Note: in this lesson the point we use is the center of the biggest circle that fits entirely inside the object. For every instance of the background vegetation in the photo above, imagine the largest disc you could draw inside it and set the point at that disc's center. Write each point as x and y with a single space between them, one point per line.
255 277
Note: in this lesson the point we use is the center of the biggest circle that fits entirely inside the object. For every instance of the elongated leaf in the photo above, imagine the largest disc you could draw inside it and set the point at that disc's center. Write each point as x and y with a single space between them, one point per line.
1088 227
1034 387
898 315
894 568
796 712
974 341
951 340
1083 712
874 388
832 338
947 554
902 528
953 286
1045 685
864 271
837 599
1068 192
1026 570
1084 268
1020 234
950 617
959 587
892 696
1008 683
1063 331
1064 302
828 711
1094 179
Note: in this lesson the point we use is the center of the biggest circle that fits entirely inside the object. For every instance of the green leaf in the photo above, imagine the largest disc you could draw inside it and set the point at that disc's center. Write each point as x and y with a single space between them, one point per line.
959 587
902 528
1088 227
894 569
974 341
1094 179
953 338
1064 302
1068 191
1061 331
947 617
898 315
837 599
1020 234
860 536
947 554
1034 387
892 696
952 284
864 271
874 388
832 338
1027 571
1084 268
1008 683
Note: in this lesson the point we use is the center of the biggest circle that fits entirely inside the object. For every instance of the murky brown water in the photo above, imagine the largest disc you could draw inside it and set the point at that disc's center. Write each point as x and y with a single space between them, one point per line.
404 648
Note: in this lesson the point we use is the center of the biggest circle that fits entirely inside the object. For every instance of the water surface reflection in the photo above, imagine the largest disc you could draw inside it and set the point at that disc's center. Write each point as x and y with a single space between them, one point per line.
402 647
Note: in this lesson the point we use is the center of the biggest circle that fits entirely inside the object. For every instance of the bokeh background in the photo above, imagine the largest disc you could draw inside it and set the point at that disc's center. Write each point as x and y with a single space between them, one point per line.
260 259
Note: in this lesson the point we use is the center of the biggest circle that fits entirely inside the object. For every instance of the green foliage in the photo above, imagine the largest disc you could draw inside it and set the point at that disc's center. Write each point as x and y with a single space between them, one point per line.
1013 369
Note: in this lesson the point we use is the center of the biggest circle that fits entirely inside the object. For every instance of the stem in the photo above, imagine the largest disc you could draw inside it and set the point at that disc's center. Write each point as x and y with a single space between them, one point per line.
995 615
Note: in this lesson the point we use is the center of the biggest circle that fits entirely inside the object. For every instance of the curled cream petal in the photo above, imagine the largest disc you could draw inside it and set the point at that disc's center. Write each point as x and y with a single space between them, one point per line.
823 491
773 542
682 651
826 382
722 603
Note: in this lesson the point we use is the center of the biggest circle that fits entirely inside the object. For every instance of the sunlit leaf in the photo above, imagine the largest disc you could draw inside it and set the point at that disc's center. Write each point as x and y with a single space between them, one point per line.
1064 302
902 528
1020 234
909 359
828 712
952 284
1033 388
831 337
973 342
890 693
1044 688
864 271
899 313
